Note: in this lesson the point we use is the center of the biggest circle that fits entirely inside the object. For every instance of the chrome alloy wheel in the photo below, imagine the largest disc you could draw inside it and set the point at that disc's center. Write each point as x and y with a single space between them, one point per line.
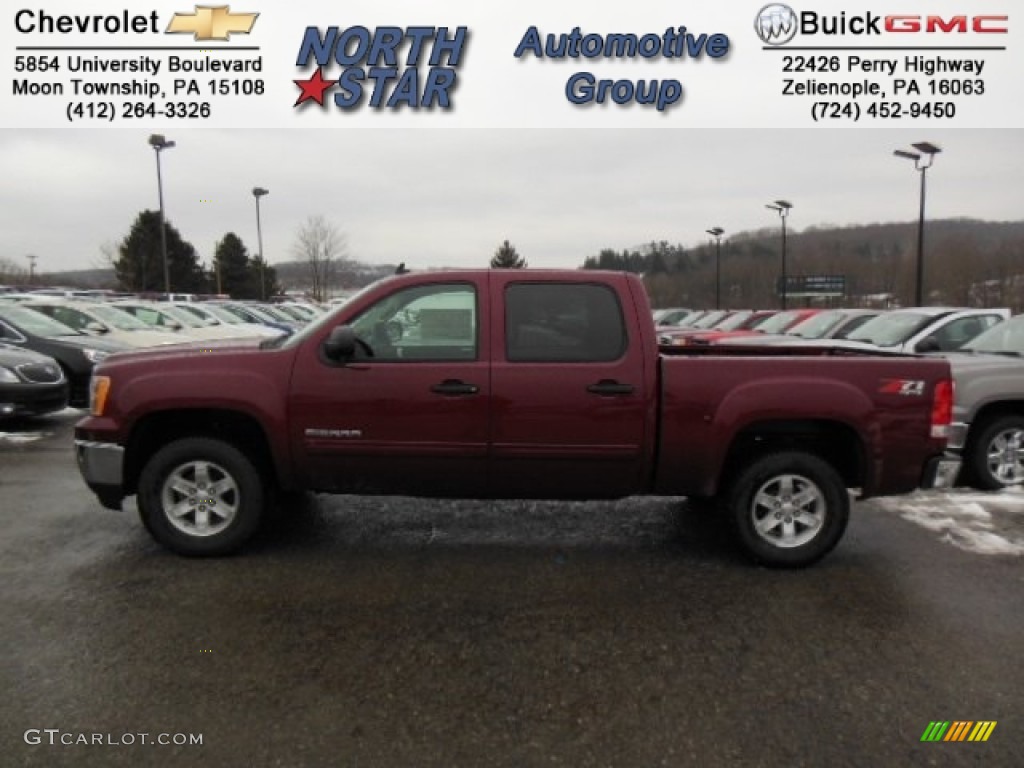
199 498
788 511
1005 456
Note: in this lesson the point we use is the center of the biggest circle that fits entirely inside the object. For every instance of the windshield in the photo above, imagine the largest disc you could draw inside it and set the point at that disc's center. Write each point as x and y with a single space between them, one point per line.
270 312
734 321
816 326
183 317
118 318
780 322
33 322
892 329
1000 338
218 313
711 318
327 318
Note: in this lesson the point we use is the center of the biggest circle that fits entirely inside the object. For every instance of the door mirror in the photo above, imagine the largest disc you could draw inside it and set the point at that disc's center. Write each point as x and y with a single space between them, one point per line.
928 344
93 327
341 344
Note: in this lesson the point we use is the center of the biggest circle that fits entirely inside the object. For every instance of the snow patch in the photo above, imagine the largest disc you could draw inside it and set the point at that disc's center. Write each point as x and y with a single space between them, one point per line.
963 521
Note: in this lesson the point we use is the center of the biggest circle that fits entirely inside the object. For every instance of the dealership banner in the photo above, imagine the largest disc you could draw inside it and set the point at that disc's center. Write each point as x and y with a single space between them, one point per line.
461 64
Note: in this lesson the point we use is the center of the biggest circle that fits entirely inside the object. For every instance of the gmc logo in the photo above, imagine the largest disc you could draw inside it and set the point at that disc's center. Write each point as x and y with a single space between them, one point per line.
961 24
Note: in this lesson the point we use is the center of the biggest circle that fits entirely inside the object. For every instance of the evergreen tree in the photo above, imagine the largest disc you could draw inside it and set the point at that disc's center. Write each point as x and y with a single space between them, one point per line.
140 264
231 268
262 280
506 257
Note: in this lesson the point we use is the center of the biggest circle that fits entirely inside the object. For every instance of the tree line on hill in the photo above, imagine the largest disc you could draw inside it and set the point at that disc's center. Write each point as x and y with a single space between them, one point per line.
966 263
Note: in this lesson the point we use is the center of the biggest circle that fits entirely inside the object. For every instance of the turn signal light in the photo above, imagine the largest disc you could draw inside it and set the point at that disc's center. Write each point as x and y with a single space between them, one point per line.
99 388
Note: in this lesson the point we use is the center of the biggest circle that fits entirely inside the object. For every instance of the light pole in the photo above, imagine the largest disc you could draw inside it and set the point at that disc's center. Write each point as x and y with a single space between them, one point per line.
783 208
717 232
923 159
259 192
31 268
159 143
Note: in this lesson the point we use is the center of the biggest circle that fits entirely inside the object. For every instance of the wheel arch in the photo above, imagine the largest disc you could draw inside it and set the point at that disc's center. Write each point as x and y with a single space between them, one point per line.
835 442
156 430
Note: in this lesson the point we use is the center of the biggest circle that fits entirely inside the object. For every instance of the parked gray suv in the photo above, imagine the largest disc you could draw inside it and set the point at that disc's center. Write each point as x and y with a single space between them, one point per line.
988 412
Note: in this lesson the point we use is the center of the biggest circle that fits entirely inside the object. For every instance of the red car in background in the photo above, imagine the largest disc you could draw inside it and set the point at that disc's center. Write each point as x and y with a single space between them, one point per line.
741 320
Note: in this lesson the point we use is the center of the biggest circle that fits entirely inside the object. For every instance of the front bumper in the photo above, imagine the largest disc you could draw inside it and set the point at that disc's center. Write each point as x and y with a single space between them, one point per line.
102 468
941 472
33 399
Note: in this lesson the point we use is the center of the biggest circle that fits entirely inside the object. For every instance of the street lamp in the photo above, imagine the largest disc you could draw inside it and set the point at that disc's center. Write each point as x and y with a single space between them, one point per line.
259 192
159 143
717 232
783 207
923 159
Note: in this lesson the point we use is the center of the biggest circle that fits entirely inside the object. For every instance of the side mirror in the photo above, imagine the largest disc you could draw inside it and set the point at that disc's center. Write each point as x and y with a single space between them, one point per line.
928 344
341 343
93 327
174 325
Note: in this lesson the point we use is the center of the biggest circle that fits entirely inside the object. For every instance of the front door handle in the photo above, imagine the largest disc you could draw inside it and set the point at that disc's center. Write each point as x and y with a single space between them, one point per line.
454 388
609 387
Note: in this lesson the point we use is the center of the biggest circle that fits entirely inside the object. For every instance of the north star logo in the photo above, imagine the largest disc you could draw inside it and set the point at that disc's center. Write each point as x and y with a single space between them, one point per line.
212 22
382 68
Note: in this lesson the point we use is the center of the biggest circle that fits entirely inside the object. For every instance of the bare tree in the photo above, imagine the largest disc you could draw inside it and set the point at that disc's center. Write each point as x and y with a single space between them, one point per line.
319 244
11 271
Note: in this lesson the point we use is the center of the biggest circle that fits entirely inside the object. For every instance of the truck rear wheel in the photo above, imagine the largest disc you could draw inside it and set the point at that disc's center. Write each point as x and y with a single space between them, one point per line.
788 509
200 497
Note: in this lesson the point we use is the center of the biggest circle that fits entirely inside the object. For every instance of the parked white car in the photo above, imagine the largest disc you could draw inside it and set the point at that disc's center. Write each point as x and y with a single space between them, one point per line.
172 319
918 330
104 320
215 315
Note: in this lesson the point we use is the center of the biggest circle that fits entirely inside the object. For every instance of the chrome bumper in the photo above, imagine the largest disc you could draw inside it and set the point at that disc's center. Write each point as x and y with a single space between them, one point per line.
941 472
102 467
957 436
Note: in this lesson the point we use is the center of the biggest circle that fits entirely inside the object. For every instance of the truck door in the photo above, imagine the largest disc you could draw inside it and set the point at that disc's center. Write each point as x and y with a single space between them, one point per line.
409 414
569 403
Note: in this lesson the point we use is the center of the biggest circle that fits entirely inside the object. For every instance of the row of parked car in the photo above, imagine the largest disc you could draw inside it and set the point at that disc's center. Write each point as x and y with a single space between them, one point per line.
985 348
50 344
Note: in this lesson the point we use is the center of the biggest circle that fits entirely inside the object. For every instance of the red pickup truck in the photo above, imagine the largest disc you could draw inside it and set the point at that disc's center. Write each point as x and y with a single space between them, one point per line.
510 384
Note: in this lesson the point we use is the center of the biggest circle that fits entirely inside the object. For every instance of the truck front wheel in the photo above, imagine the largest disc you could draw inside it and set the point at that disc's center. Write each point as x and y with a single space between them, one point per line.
995 458
200 497
788 509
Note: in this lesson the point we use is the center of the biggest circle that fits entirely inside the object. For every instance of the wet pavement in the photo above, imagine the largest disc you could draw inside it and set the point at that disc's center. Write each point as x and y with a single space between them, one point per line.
401 632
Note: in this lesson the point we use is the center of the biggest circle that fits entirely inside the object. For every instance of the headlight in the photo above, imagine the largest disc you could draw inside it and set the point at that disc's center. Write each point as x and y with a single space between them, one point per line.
94 355
7 376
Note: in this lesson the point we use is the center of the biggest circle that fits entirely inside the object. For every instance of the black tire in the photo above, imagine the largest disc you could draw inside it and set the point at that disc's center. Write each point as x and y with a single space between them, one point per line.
996 439
217 522
791 535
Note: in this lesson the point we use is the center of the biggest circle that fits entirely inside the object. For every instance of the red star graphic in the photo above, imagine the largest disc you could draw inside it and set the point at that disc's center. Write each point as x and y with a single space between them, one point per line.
313 88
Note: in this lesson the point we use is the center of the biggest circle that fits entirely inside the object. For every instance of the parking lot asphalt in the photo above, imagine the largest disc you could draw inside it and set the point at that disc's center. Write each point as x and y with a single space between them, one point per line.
403 632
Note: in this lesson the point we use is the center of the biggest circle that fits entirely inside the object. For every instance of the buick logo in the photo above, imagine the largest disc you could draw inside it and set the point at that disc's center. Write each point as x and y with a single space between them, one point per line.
776 24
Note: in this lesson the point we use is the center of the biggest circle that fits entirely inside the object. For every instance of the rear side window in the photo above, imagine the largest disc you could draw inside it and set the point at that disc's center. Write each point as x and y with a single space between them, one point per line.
563 322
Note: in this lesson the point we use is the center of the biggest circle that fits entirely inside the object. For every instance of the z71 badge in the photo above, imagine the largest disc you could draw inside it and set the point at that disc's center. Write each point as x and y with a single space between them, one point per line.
905 387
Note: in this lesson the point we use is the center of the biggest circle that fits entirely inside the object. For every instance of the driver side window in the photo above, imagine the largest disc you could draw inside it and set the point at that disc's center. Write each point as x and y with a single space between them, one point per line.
425 322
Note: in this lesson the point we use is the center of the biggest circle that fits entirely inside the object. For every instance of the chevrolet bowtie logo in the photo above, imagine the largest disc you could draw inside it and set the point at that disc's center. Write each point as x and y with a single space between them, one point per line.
212 22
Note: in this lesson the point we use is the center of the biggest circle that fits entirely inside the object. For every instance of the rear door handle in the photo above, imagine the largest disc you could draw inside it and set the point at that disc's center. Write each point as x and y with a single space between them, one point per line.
454 388
609 387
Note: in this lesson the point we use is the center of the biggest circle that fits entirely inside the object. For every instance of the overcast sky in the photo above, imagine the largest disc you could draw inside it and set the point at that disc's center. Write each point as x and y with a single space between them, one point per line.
436 198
